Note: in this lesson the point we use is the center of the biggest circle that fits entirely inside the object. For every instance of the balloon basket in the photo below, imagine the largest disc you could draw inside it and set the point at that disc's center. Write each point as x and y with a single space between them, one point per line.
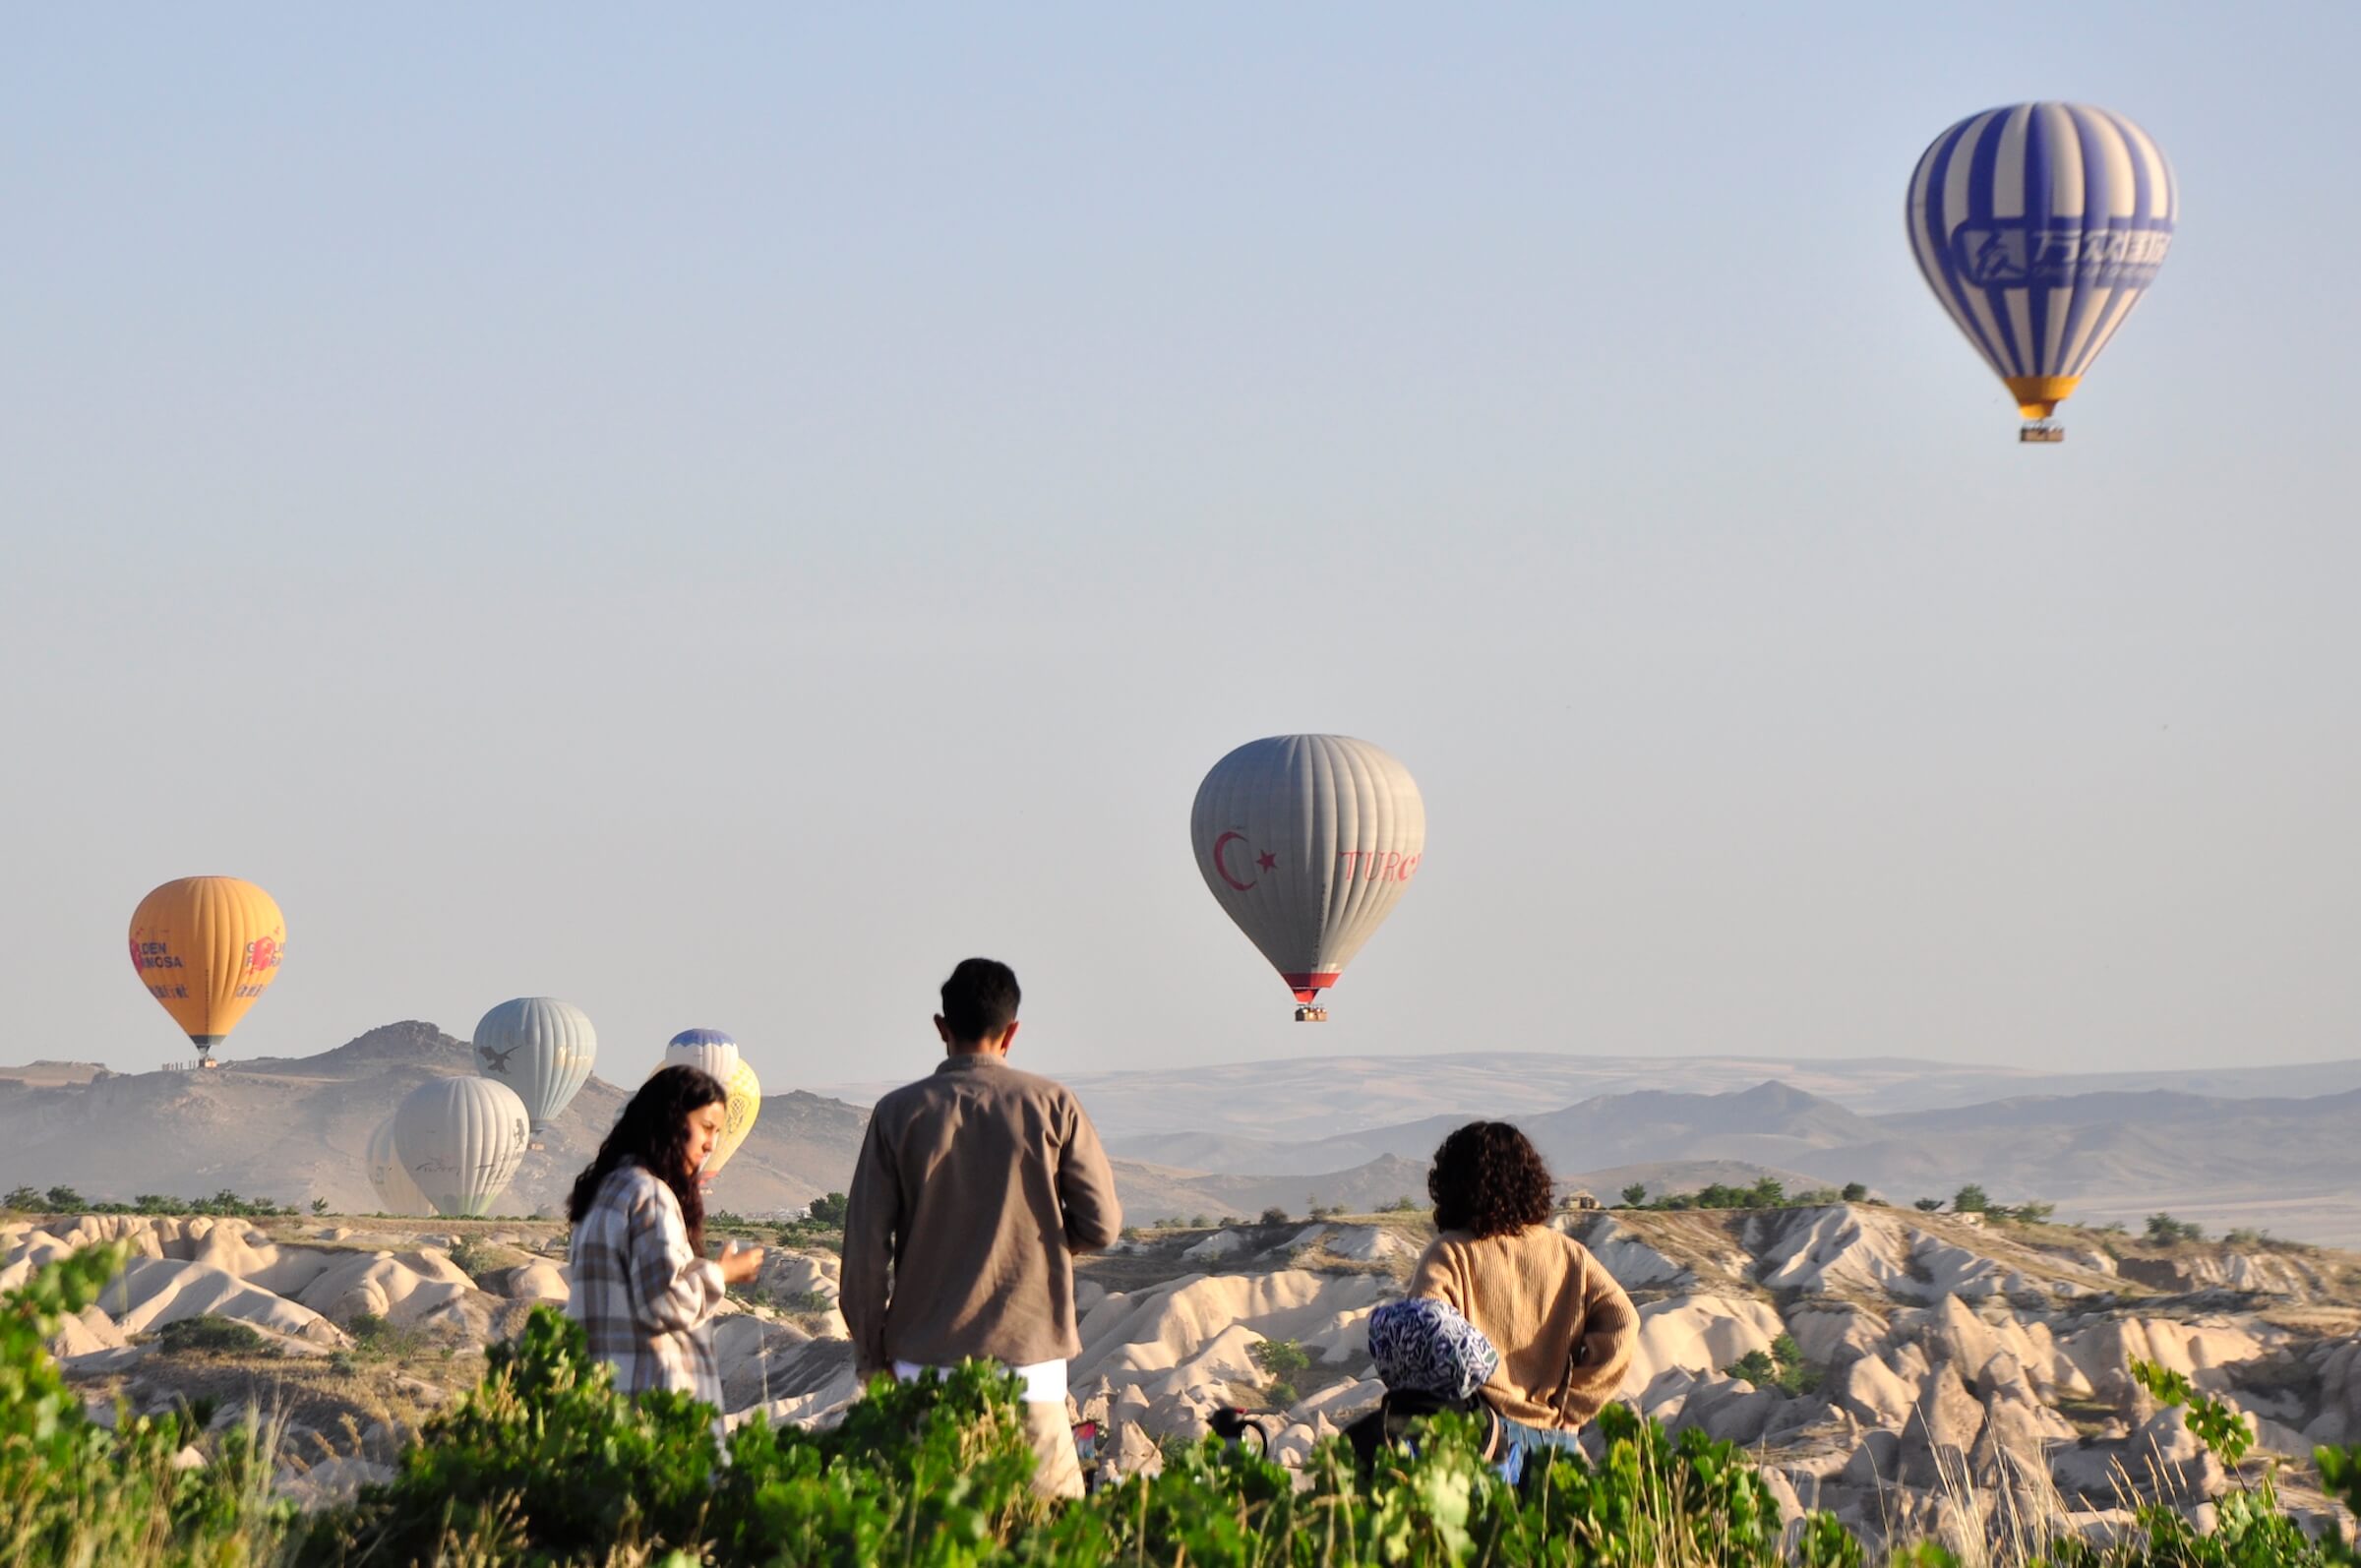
1311 1015
2041 433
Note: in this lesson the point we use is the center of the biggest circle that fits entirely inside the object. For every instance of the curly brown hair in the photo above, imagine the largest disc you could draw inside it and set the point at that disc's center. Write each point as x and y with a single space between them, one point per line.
652 1130
1490 1179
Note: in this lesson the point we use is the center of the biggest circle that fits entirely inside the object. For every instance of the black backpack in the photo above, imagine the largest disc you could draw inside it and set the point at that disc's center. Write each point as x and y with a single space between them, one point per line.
1393 1424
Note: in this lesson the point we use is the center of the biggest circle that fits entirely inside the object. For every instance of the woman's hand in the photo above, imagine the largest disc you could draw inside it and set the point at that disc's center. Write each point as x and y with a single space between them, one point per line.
740 1264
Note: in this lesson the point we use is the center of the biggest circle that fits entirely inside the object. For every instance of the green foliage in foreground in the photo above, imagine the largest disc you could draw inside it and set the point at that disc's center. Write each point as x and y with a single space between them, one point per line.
2250 1530
71 1491
544 1463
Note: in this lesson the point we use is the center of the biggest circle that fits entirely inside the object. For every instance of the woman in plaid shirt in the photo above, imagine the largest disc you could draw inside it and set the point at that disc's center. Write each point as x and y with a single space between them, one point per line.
642 1284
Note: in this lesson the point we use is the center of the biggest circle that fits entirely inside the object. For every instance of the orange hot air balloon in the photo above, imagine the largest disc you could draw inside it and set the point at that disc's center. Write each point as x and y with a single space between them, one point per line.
205 947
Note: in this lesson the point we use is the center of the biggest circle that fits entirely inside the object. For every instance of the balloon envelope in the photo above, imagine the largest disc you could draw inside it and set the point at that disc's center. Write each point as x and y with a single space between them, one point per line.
541 1048
397 1194
1309 841
744 1106
460 1139
207 947
708 1049
2040 227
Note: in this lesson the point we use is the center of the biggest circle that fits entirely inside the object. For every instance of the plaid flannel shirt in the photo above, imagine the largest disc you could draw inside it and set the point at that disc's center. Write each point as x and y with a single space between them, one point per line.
644 1297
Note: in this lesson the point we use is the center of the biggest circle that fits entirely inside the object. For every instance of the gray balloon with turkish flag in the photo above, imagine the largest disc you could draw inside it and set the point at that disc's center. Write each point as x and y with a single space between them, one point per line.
1308 842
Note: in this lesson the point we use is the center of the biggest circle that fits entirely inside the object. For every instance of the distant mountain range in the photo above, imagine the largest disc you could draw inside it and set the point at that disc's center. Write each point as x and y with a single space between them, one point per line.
2276 1147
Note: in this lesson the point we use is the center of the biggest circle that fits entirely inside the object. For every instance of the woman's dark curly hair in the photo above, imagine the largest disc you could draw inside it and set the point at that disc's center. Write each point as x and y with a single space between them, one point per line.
653 1131
1488 1178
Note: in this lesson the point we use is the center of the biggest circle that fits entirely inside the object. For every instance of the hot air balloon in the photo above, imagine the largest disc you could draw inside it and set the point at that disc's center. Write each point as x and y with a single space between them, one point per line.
460 1139
744 1106
2040 227
205 947
709 1049
541 1048
1309 841
397 1194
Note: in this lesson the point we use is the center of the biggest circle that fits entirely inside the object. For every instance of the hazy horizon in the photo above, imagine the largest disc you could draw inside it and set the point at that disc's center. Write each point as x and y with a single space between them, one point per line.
719 517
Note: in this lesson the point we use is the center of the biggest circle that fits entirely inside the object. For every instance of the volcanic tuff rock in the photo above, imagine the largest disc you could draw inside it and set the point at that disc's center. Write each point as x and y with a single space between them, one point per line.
1947 1354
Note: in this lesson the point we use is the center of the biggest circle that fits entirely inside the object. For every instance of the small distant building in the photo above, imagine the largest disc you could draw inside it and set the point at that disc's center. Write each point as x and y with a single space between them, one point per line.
1582 1198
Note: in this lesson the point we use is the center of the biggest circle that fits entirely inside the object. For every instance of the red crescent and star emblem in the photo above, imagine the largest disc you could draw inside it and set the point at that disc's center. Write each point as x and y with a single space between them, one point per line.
1266 862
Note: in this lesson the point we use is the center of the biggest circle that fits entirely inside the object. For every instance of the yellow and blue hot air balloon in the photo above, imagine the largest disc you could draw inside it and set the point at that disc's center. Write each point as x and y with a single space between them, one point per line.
2040 227
742 1107
716 1053
207 947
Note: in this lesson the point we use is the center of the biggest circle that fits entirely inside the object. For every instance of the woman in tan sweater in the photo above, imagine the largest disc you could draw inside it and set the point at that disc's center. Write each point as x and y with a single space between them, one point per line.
1563 1327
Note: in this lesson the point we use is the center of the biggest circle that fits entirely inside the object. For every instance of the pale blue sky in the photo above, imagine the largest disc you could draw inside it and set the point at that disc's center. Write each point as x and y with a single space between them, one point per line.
717 515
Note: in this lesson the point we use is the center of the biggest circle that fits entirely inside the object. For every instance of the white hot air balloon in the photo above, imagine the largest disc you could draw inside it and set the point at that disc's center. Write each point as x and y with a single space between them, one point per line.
708 1049
462 1139
1309 841
541 1048
397 1194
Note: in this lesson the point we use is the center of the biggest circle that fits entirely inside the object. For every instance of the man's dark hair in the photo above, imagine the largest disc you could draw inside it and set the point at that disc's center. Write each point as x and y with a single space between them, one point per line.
653 1131
979 1001
1488 1180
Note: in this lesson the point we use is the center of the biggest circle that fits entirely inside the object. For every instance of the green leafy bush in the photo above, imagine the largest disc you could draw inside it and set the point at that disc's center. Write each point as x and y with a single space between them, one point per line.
72 1491
1783 1368
1280 1357
2250 1530
210 1334
544 1462
2167 1230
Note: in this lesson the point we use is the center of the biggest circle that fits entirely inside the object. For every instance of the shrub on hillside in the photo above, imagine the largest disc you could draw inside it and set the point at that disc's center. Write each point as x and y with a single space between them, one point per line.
210 1334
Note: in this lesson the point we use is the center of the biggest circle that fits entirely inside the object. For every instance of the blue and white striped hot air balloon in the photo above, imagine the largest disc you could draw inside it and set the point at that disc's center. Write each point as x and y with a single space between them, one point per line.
708 1049
2040 227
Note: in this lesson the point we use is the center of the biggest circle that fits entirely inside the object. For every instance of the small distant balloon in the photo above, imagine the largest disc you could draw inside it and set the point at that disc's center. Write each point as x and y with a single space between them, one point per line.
207 947
461 1140
541 1048
1308 842
2040 227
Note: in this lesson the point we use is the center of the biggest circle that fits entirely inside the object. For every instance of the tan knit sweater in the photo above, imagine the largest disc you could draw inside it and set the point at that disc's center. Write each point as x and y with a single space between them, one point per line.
1563 1327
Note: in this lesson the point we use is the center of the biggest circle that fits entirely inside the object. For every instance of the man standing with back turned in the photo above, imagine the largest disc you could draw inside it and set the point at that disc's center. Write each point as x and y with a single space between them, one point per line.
976 1187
